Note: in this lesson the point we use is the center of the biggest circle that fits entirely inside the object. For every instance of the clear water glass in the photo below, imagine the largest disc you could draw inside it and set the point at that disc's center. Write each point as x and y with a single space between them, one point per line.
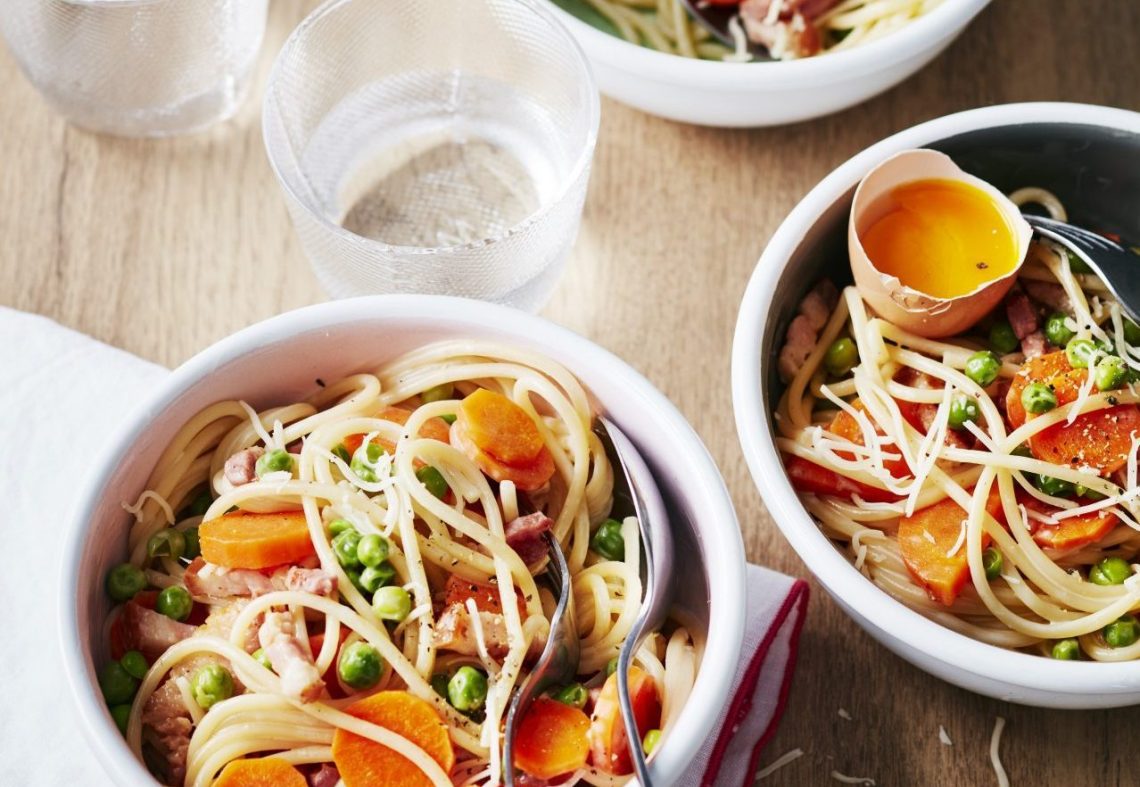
137 67
436 147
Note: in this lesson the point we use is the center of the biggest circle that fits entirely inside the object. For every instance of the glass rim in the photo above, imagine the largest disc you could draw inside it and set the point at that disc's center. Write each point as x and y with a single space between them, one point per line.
593 107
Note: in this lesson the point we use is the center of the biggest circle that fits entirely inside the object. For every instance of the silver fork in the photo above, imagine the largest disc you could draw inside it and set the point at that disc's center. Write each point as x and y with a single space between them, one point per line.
558 663
1117 266
656 567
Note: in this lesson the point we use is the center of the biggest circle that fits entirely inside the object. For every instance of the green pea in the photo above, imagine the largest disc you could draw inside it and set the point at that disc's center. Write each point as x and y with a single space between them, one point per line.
439 684
372 550
199 505
166 543
274 461
354 578
135 664
1122 632
608 541
1088 494
210 685
992 562
1066 650
1056 487
344 546
963 408
1038 398
611 666
122 715
340 451
467 689
338 526
372 578
1056 331
1110 571
982 367
1079 352
364 470
841 357
124 580
438 393
174 602
392 603
448 417
574 695
1110 373
1131 333
193 546
433 481
650 741
118 685
1002 338
359 665
262 659
1076 264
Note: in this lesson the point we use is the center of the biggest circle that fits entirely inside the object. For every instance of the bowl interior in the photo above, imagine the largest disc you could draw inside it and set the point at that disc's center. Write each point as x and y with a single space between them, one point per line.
282 360
1093 170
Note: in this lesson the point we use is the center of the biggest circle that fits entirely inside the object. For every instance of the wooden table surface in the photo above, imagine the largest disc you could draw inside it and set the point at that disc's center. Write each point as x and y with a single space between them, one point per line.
162 247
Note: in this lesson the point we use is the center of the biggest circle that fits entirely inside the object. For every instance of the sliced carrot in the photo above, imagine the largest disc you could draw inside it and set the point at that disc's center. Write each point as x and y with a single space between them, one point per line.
256 541
260 772
609 746
500 427
927 539
552 739
433 429
1100 439
366 763
844 425
502 440
486 597
1070 533
1051 369
807 476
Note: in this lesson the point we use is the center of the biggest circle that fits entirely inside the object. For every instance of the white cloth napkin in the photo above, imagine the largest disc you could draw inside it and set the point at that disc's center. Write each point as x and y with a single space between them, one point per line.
61 395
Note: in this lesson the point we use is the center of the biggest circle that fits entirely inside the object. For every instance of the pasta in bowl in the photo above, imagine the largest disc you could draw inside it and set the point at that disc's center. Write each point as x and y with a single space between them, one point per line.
336 572
991 555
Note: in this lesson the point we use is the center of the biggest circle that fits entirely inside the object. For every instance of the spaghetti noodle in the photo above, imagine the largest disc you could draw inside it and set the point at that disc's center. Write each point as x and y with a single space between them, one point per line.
413 499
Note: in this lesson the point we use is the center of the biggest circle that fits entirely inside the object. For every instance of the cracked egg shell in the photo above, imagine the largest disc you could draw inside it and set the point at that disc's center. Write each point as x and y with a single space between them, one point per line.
919 205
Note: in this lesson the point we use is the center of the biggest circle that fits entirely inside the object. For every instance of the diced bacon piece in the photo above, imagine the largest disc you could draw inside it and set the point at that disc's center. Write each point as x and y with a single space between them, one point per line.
290 659
792 32
241 467
524 536
1050 294
220 623
803 331
325 776
167 727
149 631
215 582
454 632
207 580
798 344
1020 312
922 415
1033 345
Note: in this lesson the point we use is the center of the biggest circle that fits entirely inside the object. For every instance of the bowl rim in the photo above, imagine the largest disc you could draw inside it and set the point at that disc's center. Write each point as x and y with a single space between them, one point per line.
283 159
722 647
909 41
866 603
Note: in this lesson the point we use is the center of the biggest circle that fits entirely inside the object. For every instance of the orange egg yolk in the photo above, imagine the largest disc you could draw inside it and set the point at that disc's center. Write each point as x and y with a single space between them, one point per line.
944 238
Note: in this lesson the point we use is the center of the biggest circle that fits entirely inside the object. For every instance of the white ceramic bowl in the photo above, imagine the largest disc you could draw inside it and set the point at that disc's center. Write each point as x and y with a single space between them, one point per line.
768 93
279 360
1085 154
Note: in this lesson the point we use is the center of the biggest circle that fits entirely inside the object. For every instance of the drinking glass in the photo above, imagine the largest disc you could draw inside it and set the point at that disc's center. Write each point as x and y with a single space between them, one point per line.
137 67
436 147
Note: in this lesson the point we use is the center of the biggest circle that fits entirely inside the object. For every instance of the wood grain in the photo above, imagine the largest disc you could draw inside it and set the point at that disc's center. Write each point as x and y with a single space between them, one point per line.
162 247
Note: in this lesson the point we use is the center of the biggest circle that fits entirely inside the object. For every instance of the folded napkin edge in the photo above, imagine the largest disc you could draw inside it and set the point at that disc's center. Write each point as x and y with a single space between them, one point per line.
795 602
